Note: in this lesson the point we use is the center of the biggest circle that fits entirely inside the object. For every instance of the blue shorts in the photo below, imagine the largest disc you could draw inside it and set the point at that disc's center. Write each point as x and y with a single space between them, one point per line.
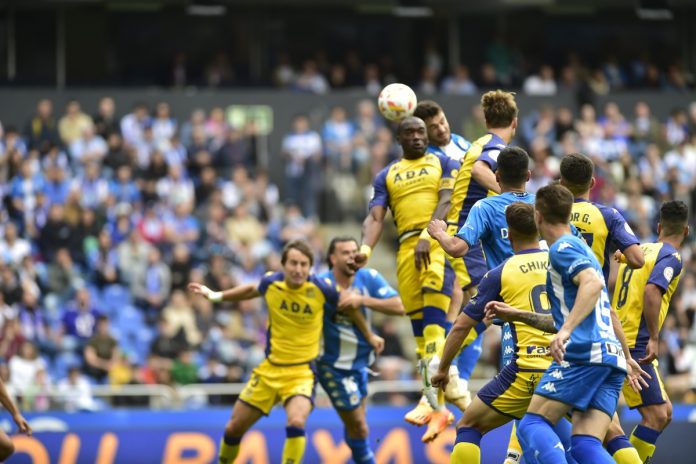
346 388
582 386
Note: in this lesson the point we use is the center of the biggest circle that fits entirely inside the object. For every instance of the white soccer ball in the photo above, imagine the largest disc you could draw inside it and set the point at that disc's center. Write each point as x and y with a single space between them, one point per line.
397 101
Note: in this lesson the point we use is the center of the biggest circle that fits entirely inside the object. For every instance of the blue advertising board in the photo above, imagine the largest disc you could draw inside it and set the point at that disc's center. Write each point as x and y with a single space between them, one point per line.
191 437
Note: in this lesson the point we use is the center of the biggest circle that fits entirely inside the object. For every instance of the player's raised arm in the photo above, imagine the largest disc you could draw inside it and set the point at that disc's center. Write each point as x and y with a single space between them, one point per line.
389 306
484 175
242 292
374 221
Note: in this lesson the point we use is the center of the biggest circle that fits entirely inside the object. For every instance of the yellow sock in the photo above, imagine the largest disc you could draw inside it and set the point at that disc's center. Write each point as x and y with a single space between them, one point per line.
627 456
228 453
644 438
514 443
465 453
434 336
294 445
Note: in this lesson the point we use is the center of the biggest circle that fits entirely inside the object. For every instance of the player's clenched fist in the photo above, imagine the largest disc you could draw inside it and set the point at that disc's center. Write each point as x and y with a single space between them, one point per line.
440 380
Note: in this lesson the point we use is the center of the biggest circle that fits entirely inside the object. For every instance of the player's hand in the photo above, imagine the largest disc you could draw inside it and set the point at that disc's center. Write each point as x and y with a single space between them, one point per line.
436 228
619 257
650 352
360 260
558 344
500 310
422 254
22 424
199 289
440 380
635 375
349 300
377 343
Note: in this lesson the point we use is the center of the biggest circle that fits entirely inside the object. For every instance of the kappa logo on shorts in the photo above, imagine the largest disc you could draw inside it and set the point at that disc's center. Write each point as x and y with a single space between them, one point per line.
509 350
549 387
557 374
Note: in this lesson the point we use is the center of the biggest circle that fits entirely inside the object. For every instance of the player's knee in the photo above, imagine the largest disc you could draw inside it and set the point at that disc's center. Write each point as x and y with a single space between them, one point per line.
659 417
233 429
358 429
297 421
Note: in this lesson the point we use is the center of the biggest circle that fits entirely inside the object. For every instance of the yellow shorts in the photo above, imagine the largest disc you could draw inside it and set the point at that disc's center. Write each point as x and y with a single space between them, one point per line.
438 277
270 384
510 392
471 268
655 392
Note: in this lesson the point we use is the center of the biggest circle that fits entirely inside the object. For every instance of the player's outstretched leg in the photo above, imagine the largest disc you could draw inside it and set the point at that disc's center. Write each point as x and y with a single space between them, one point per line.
434 324
514 449
420 415
356 435
618 445
297 409
243 417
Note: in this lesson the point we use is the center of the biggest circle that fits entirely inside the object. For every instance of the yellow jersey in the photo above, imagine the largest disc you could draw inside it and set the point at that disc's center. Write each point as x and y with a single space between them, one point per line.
295 317
519 281
466 190
663 266
410 188
604 230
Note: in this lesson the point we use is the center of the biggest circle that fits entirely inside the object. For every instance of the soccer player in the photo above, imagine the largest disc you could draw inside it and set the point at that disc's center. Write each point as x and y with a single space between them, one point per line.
519 281
486 225
591 358
641 300
296 304
6 445
411 187
603 228
469 270
342 367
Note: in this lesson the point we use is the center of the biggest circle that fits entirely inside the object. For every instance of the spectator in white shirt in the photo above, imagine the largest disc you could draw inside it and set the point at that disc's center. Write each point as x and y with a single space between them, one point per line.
542 83
13 248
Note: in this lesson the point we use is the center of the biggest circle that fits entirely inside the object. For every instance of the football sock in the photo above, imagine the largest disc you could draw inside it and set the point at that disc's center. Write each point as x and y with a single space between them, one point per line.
294 448
467 448
589 450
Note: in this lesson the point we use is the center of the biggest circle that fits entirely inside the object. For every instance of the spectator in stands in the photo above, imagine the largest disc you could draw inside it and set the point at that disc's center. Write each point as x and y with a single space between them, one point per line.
235 151
102 263
75 392
310 80
89 146
24 366
41 131
73 124
100 351
37 395
196 121
123 188
166 346
24 189
151 284
302 150
133 125
78 322
175 188
542 83
180 267
180 317
116 155
163 126
132 256
93 188
11 341
56 186
63 275
105 122
459 82
13 249
184 370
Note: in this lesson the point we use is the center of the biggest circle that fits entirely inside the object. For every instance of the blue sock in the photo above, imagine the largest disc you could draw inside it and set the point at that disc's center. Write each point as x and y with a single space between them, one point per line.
564 431
589 450
468 358
617 443
468 435
646 434
538 439
360 448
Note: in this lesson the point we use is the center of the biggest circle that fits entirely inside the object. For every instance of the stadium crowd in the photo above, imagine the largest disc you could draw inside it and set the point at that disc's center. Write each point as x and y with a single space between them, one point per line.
107 217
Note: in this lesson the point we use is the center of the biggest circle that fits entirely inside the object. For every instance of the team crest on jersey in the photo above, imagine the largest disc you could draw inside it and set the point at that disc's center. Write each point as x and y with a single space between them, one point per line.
668 273
310 293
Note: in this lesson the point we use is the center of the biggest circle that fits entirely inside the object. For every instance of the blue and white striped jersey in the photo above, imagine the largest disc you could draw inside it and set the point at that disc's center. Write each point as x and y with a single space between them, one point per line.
344 347
593 341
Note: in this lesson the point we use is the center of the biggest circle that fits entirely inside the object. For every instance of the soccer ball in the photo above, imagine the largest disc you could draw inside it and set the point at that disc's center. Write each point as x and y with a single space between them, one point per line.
397 101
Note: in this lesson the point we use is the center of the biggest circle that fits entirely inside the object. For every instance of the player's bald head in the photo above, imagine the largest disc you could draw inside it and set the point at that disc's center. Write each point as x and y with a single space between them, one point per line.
410 122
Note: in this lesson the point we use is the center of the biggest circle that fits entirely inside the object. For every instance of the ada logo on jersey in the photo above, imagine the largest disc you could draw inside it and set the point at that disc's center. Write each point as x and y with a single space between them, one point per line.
668 273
